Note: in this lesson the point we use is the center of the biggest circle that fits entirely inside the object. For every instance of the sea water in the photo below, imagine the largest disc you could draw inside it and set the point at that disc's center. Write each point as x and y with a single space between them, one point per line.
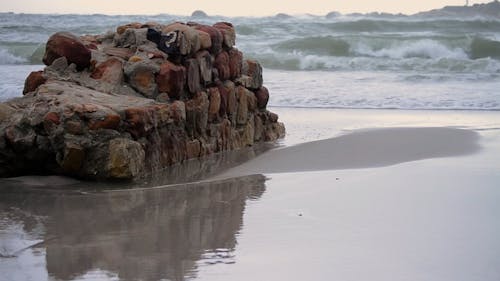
391 62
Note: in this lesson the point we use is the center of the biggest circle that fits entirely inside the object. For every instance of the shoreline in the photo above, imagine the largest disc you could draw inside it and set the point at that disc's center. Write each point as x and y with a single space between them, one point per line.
360 126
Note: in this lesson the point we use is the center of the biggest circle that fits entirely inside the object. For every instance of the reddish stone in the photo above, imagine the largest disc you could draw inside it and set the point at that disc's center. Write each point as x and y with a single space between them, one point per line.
222 65
112 121
235 63
33 81
138 120
232 103
216 37
224 94
262 95
51 121
52 117
242 114
73 127
65 44
110 71
171 79
215 102
228 33
193 76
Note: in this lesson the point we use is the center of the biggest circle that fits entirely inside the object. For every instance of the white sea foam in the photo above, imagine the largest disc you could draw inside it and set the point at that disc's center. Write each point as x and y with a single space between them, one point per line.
8 58
426 48
12 79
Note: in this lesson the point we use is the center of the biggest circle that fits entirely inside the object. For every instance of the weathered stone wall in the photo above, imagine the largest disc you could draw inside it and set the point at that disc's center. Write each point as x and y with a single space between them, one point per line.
142 98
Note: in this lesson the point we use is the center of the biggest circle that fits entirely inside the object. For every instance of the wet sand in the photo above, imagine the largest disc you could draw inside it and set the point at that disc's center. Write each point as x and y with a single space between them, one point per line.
410 196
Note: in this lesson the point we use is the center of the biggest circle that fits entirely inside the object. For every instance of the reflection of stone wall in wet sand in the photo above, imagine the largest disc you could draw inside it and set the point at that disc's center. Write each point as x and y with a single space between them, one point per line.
149 234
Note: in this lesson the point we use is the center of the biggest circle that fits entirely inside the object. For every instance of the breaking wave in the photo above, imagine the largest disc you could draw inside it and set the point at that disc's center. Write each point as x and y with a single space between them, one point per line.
8 58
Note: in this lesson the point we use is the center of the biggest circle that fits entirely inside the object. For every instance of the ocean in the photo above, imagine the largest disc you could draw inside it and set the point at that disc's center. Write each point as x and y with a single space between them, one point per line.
357 61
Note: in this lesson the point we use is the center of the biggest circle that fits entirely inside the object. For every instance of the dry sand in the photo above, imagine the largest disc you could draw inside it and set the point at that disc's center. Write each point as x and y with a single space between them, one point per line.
363 149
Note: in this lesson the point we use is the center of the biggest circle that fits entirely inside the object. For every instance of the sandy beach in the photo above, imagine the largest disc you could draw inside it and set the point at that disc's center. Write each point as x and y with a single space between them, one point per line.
352 195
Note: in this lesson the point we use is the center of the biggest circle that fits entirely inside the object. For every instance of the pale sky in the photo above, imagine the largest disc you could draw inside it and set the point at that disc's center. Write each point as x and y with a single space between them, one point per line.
224 7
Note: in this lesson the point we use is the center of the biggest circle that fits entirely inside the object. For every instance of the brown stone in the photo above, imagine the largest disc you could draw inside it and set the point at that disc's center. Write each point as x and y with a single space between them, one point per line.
193 149
251 74
215 101
193 75
65 44
251 101
121 29
139 120
222 65
74 127
258 128
6 112
110 71
205 40
33 81
235 63
90 41
228 33
242 114
161 114
142 77
126 159
50 120
205 62
232 102
73 158
197 114
111 121
262 95
224 93
178 109
123 53
273 117
21 138
134 59
216 37
171 79
249 132
225 134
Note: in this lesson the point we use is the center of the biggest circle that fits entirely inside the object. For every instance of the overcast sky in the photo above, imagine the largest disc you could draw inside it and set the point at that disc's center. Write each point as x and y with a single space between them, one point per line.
224 7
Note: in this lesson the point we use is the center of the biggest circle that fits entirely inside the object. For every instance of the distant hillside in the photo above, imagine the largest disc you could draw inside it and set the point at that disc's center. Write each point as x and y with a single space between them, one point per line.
491 9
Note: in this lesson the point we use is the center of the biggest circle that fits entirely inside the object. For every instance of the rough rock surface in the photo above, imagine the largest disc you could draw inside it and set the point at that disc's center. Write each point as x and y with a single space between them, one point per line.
119 105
